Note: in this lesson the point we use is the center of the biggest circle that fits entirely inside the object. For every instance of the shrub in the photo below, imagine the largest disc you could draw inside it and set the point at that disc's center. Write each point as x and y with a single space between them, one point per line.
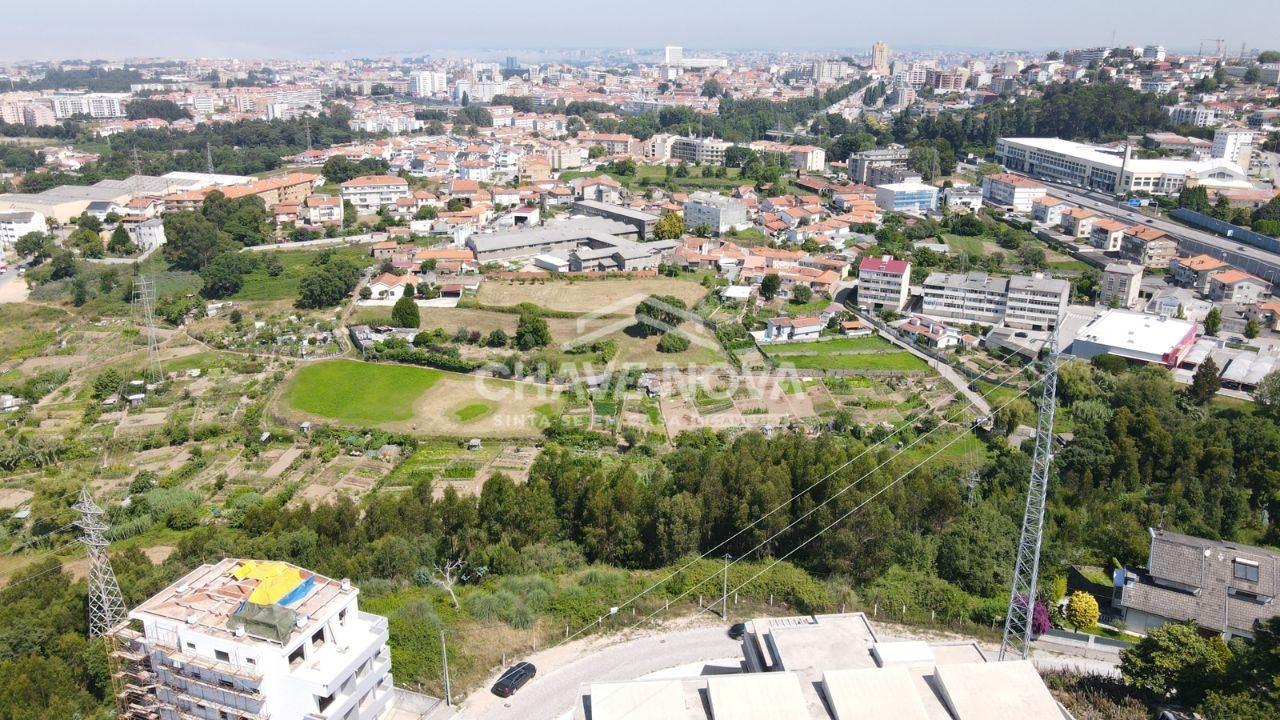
673 342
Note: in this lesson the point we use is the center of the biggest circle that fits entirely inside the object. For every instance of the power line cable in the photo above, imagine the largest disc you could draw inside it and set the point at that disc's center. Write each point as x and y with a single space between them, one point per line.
823 530
794 497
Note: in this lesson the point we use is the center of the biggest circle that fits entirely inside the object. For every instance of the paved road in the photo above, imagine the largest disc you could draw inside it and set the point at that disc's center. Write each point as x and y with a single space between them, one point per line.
13 289
563 670
1249 258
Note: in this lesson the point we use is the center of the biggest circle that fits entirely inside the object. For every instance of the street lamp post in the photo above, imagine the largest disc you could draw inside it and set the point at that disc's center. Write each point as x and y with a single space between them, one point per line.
724 598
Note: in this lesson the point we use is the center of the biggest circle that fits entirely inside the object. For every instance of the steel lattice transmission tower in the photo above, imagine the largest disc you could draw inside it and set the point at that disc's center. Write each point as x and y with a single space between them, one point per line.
106 604
144 296
1022 595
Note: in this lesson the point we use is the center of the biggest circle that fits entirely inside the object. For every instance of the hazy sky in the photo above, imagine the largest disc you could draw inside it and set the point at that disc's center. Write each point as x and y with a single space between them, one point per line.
341 28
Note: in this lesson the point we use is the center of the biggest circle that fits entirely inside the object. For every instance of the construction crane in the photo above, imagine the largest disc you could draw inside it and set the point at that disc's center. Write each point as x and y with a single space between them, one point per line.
1219 41
1016 643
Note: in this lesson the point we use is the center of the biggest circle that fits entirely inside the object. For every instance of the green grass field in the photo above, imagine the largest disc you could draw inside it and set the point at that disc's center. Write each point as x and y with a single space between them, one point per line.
356 392
963 244
472 411
258 285
895 361
862 344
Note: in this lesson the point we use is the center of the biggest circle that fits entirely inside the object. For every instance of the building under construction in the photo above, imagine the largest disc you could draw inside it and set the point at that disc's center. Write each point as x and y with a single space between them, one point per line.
248 640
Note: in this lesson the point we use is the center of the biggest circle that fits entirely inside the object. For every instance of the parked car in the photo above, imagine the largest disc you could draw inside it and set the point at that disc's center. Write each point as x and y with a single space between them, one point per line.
514 679
737 630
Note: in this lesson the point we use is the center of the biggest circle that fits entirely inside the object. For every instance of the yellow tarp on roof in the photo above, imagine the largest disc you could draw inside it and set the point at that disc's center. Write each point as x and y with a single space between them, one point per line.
275 580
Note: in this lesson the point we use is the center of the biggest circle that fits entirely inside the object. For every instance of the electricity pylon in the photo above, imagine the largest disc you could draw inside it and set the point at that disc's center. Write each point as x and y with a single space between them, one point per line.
144 295
106 604
1022 595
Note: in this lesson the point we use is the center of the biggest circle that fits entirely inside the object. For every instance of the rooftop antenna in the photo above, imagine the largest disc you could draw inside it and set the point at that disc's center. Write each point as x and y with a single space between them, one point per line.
144 296
1016 643
106 604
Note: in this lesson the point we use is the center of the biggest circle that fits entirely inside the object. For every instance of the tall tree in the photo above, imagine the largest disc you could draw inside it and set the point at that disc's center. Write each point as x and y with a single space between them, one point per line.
1205 383
404 314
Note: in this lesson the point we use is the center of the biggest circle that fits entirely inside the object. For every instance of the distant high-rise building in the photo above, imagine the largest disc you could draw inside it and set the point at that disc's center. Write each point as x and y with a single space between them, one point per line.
673 55
880 58
511 63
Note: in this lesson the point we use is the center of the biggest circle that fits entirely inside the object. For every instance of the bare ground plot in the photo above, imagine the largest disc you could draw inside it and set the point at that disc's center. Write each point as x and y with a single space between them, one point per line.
703 349
344 475
282 463
11 498
749 401
618 296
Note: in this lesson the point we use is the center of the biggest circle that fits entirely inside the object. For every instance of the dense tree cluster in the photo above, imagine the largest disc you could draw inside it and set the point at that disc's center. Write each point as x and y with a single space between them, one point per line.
339 168
326 282
143 108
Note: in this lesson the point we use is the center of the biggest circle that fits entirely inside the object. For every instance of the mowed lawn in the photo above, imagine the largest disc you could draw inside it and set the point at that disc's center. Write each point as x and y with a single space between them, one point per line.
901 361
844 344
351 391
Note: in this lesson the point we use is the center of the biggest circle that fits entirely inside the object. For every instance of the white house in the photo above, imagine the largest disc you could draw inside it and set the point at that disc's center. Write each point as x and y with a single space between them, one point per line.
388 286
782 329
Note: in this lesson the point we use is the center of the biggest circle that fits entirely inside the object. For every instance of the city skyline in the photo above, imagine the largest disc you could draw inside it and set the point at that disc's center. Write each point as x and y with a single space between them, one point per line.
276 31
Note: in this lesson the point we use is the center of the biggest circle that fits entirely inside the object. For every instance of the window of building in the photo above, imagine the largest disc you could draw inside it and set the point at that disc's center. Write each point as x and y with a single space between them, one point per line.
251 661
1245 570
342 616
191 646
222 655
296 656
318 638
324 702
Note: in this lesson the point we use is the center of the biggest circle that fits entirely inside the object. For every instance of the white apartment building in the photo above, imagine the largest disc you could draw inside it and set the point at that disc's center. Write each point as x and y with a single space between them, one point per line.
657 148
718 212
249 640
1048 210
148 234
701 151
1121 283
1234 145
98 105
1036 302
1197 115
1107 235
1012 191
1025 301
883 283
428 83
972 297
1103 168
14 225
370 192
